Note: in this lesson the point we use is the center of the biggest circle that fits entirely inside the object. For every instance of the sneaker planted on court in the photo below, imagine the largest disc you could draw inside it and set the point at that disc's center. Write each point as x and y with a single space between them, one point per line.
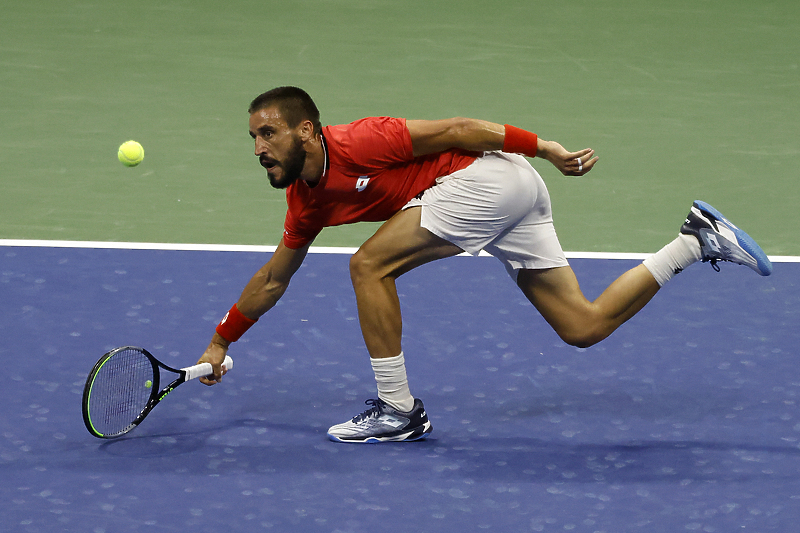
382 423
720 240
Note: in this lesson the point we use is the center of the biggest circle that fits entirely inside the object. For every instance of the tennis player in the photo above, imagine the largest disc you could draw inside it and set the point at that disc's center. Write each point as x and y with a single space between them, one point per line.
443 187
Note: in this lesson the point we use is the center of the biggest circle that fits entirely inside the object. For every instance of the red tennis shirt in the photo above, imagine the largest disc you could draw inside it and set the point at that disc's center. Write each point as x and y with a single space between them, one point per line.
370 174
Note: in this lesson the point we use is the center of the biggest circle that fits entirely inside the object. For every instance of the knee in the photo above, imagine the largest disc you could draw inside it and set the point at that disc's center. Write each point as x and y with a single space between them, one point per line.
580 341
582 337
362 266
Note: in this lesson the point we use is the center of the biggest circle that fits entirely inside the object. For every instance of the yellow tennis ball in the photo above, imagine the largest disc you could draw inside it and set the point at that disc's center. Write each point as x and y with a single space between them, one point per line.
130 153
148 384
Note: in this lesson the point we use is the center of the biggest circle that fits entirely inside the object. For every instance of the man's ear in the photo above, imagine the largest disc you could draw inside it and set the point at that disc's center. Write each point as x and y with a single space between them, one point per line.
306 130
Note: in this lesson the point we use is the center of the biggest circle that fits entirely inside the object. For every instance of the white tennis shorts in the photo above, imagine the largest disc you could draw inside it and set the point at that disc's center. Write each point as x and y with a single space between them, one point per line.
499 204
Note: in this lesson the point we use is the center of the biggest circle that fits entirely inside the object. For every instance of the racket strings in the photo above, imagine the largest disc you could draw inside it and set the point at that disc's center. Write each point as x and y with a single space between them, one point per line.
120 391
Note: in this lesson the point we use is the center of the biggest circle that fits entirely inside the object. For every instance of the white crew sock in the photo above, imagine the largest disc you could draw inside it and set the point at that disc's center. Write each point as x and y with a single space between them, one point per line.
390 373
673 258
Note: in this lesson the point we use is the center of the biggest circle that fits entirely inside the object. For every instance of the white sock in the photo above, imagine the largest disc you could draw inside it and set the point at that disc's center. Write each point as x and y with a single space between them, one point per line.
673 258
390 373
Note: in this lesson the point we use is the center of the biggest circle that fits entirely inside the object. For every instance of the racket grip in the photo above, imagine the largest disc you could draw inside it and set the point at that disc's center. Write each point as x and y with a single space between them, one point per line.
204 369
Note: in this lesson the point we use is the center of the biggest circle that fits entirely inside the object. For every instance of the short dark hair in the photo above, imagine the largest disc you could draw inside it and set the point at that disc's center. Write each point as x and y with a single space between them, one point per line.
294 104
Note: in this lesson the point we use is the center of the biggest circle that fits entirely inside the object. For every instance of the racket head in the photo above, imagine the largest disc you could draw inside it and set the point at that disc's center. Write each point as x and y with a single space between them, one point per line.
119 390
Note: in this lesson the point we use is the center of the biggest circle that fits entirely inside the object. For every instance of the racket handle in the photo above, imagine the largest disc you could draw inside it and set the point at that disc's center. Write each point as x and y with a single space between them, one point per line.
204 369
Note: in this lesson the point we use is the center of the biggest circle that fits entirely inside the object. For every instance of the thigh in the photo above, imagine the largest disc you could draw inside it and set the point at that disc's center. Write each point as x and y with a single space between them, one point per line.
556 294
401 244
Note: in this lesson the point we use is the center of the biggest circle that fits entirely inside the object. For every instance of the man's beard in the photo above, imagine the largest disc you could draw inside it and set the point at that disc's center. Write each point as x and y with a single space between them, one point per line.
292 167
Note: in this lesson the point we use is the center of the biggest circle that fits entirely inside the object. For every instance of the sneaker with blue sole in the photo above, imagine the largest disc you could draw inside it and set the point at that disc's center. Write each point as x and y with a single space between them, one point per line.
383 423
720 240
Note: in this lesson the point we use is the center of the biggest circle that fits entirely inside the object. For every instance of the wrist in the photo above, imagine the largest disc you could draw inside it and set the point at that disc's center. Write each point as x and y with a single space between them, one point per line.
219 340
542 148
233 325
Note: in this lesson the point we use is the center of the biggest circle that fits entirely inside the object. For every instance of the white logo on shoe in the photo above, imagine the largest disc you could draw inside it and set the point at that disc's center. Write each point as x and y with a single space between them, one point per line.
712 240
392 421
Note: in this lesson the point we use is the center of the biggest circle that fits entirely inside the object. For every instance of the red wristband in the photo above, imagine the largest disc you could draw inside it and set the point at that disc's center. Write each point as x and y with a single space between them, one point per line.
234 324
519 141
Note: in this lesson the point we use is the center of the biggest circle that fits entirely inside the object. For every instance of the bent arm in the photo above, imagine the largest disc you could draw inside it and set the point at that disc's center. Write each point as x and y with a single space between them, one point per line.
260 295
433 136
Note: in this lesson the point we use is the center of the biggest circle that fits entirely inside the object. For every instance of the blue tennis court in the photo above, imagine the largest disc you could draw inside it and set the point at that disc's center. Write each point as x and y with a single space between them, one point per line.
686 419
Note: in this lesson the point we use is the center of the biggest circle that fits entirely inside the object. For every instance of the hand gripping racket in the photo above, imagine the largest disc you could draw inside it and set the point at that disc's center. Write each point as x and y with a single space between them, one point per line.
123 387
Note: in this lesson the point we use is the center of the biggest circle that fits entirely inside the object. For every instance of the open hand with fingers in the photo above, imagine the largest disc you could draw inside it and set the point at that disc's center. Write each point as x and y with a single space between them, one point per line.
569 163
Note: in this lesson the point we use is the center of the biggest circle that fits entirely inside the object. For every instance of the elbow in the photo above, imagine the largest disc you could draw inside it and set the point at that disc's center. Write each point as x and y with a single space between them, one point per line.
274 289
266 290
475 135
462 128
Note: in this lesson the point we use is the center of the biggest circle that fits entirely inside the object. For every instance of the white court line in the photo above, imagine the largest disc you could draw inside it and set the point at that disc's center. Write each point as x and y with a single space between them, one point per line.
269 249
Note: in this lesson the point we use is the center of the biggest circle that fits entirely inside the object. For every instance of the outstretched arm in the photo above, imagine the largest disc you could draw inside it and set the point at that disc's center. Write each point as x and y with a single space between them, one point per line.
431 136
260 295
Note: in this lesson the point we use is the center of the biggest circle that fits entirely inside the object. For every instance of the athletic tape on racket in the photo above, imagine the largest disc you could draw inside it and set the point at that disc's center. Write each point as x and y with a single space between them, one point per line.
204 369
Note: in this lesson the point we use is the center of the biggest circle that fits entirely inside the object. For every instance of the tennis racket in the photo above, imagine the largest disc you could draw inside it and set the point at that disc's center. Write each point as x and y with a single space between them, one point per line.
123 387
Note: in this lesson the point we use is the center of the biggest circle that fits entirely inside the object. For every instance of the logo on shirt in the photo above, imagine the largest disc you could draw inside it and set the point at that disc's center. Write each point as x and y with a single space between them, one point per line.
361 184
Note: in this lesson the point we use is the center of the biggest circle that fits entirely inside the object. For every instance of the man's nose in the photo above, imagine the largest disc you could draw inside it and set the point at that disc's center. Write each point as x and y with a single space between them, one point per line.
260 146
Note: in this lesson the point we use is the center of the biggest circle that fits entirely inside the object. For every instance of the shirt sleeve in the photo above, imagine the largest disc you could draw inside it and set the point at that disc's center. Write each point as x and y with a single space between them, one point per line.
297 231
294 240
377 142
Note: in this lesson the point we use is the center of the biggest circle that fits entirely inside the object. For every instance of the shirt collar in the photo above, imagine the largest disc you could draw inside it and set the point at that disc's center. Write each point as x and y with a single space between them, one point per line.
326 166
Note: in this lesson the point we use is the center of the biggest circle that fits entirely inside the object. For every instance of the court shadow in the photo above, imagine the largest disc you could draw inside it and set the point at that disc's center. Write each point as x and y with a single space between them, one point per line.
159 445
252 446
534 460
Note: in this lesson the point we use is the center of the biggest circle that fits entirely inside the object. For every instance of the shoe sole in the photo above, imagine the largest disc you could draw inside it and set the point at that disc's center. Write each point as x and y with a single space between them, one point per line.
403 437
744 240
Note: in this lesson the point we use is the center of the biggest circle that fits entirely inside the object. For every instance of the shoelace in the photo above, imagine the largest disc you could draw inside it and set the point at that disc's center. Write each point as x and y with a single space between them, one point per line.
713 263
375 410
